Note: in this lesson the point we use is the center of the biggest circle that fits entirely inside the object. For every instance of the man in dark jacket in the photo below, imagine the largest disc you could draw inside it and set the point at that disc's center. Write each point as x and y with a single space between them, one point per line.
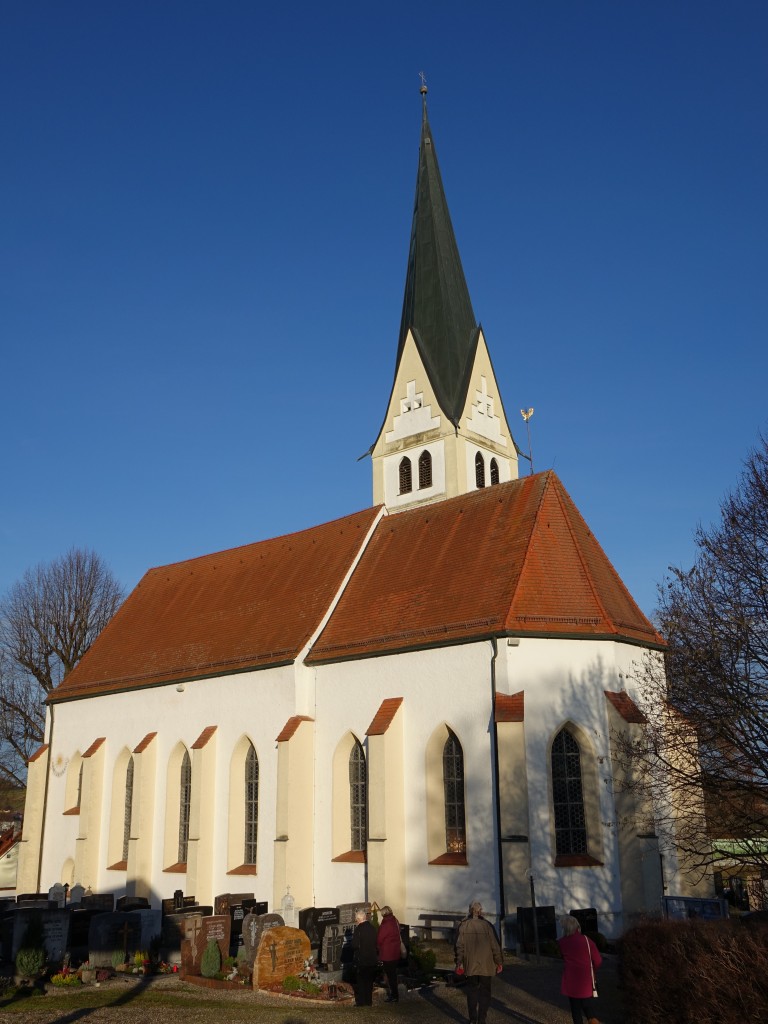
366 958
478 958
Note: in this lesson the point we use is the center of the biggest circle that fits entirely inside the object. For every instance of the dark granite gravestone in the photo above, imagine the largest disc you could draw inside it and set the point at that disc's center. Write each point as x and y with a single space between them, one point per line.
314 921
103 902
331 946
126 903
546 923
282 951
172 906
53 922
38 900
114 933
237 913
254 926
178 927
587 918
79 931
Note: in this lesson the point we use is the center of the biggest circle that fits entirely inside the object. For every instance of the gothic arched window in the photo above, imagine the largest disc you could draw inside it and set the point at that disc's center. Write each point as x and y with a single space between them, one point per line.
406 476
479 470
494 472
425 469
128 808
453 783
358 798
251 805
185 797
568 795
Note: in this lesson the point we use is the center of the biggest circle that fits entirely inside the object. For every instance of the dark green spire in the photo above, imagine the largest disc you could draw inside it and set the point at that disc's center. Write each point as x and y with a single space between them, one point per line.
436 306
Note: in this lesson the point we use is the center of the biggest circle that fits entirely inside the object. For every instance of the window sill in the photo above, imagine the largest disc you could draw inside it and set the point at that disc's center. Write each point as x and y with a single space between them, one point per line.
73 810
244 869
176 869
577 860
121 865
450 859
351 857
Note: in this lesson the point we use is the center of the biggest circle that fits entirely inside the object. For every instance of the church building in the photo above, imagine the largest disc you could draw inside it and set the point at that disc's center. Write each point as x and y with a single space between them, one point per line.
416 704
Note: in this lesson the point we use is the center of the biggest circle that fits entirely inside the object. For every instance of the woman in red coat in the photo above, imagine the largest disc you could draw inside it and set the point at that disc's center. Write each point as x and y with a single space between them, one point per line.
388 943
580 958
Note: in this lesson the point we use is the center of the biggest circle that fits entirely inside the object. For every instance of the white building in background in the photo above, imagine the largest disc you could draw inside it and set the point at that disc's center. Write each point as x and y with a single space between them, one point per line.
415 704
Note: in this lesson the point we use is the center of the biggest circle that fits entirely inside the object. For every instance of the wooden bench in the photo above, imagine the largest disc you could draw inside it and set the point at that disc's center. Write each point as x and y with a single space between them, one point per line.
440 922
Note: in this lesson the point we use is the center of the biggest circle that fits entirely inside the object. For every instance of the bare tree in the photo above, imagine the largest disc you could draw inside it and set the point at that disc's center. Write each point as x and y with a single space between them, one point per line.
705 750
48 620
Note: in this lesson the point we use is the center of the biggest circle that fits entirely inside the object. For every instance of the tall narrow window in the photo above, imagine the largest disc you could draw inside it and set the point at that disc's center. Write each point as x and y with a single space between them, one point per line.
568 795
425 469
358 797
494 472
80 785
251 805
406 476
128 808
453 782
185 794
479 470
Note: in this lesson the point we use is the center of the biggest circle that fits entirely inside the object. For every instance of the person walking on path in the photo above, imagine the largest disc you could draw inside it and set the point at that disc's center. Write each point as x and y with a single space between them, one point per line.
580 958
366 958
388 942
478 957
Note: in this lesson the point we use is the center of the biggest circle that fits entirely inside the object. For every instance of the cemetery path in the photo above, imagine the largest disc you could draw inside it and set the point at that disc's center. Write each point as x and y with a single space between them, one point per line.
525 993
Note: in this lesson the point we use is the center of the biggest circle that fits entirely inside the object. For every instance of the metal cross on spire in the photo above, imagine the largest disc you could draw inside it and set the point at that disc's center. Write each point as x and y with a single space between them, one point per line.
423 78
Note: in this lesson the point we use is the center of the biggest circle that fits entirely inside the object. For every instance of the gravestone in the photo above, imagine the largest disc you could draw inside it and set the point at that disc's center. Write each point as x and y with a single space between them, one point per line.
254 926
34 900
103 902
174 906
237 913
546 926
288 909
213 929
79 931
332 945
314 921
282 951
126 903
76 894
178 928
113 933
587 918
347 913
54 924
225 900
58 894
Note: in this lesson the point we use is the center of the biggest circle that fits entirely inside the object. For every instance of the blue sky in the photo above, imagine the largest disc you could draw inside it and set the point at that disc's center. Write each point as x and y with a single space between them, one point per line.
205 217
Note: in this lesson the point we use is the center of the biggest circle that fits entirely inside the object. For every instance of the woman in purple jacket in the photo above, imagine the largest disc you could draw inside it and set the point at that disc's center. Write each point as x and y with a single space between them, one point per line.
388 942
580 958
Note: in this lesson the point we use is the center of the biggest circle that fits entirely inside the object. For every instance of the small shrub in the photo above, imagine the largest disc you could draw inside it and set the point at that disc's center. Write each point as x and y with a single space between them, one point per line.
210 964
30 961
423 959
291 983
310 987
63 980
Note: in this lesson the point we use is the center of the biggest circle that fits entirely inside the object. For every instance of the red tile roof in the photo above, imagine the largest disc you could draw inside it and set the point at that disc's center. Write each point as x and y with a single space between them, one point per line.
516 558
248 607
205 735
626 707
94 746
144 743
290 727
38 753
513 559
383 717
510 707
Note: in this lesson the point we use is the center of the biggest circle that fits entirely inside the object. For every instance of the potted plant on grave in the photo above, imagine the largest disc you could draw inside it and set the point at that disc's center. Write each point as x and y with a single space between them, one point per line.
87 973
31 957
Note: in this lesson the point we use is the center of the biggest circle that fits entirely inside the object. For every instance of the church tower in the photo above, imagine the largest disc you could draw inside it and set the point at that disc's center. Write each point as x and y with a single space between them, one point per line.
445 431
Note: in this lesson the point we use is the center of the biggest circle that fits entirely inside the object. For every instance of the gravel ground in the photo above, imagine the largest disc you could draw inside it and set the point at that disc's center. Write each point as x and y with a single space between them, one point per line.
525 993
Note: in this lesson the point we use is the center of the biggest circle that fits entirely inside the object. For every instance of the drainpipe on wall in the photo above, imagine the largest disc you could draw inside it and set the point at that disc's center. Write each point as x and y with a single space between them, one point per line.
45 800
497 795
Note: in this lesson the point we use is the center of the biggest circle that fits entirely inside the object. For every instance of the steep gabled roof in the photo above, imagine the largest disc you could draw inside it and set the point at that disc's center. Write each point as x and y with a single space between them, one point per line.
248 607
516 558
436 305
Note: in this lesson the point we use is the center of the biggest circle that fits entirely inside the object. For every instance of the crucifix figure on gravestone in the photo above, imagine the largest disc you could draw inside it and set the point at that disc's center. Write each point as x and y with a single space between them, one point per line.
125 932
273 954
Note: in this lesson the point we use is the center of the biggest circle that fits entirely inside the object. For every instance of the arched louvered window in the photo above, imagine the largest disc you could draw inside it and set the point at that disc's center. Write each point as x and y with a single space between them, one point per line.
568 795
128 807
425 469
479 470
251 805
406 476
185 795
358 798
494 472
453 782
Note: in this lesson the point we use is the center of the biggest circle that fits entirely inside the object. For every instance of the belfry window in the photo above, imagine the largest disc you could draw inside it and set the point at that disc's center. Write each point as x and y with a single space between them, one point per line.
406 476
494 472
251 805
479 470
128 808
358 798
425 470
568 795
453 782
185 799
